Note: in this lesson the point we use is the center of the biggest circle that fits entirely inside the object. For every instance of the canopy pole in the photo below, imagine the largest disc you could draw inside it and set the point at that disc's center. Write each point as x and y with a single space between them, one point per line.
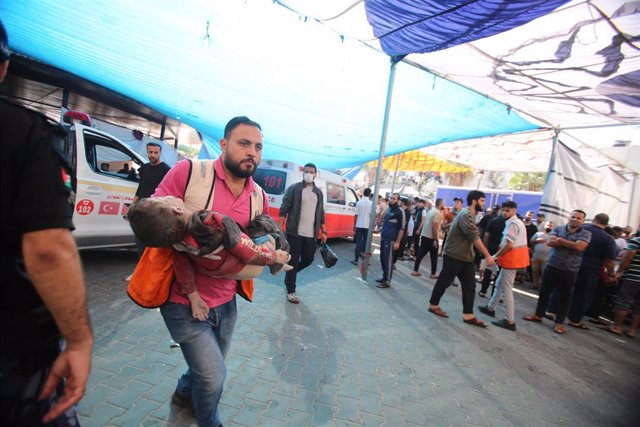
395 173
376 185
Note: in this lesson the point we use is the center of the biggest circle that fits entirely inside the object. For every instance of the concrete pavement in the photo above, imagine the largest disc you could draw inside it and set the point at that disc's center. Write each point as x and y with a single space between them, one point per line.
351 354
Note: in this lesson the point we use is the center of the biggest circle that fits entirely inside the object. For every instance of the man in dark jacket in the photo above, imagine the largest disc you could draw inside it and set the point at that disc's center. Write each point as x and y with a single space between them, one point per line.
302 210
391 235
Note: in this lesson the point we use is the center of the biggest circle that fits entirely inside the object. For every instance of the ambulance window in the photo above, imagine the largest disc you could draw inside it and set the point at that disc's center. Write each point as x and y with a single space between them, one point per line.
107 157
272 181
352 198
335 193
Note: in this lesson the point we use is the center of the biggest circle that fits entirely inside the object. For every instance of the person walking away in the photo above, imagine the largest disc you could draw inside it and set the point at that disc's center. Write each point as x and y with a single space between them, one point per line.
302 211
390 238
42 286
419 217
429 239
225 186
512 256
567 243
627 299
458 260
361 224
492 238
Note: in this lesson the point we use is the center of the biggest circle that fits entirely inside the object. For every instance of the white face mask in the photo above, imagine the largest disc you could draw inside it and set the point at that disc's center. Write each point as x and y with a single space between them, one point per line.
308 177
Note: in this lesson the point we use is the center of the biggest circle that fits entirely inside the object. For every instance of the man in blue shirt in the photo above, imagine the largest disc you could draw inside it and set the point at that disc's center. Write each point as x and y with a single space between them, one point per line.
567 243
390 238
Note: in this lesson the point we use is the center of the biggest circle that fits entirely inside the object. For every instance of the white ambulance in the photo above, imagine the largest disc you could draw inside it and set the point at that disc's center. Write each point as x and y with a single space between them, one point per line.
275 176
104 179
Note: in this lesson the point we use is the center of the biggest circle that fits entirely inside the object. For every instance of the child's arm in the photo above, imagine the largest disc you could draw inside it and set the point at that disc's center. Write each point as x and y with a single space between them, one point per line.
185 277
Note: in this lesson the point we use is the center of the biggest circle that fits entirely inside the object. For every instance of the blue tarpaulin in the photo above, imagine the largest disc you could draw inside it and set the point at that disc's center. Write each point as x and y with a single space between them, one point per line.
420 26
318 97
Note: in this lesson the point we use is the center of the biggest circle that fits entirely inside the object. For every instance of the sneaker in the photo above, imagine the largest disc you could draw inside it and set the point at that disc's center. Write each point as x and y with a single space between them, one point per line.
128 278
384 285
482 294
486 310
293 298
184 402
454 284
503 323
380 280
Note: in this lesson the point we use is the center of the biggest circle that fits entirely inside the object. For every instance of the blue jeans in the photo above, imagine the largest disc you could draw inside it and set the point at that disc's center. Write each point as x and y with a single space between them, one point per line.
361 242
204 346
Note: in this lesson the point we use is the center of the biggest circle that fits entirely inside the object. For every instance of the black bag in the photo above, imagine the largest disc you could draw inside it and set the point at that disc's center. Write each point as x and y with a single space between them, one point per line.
330 258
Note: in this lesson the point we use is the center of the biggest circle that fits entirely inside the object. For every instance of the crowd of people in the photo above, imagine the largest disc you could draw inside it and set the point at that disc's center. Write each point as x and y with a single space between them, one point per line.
578 270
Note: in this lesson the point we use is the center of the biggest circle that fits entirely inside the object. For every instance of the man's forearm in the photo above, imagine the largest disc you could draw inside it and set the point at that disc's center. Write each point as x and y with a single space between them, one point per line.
53 264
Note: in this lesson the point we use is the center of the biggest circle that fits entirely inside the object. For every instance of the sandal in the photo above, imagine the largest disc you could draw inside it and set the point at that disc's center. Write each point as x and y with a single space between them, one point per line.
550 316
475 322
416 273
628 335
532 318
608 329
438 312
599 321
579 326
559 329
292 298
434 276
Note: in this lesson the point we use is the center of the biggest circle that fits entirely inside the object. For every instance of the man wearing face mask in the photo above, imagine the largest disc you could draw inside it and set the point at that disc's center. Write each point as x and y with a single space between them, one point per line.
302 210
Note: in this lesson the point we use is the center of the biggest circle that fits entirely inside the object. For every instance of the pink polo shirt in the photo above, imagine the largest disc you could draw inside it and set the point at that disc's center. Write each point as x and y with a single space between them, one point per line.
214 291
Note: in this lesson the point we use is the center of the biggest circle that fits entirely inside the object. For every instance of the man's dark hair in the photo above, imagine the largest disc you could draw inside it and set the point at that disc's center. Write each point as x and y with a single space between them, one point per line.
541 214
4 44
310 165
474 195
509 204
405 201
601 218
438 201
617 229
149 223
237 121
154 144
584 214
367 192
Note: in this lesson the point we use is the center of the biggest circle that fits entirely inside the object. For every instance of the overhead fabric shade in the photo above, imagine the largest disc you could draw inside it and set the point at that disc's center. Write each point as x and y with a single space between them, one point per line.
419 162
317 97
423 26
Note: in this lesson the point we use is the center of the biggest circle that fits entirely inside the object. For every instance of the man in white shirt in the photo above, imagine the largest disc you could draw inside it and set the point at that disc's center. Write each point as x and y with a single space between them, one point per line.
430 234
361 224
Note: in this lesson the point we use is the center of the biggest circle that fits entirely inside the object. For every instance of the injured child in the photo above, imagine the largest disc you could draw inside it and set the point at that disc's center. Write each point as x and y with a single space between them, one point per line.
208 241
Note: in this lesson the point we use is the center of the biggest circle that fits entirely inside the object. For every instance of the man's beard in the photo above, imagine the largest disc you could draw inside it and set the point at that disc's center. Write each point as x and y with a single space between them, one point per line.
235 169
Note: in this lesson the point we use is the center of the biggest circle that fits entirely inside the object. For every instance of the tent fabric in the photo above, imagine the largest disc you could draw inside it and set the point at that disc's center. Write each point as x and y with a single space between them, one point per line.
421 26
420 162
572 184
317 97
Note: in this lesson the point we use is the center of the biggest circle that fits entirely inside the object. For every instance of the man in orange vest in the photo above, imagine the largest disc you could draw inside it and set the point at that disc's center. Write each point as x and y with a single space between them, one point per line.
512 256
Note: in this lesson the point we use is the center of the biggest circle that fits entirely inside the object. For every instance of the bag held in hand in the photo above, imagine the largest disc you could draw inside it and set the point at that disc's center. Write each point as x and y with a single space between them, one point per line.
328 255
151 280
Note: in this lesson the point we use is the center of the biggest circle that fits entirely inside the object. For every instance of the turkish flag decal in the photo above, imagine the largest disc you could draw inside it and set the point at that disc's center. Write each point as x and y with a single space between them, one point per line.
109 208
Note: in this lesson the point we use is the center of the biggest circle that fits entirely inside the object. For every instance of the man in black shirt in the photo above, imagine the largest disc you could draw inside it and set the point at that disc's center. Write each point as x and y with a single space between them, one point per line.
151 175
42 287
492 238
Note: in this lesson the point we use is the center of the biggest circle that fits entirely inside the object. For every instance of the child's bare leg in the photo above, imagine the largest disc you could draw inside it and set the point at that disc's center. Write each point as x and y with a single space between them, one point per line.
248 272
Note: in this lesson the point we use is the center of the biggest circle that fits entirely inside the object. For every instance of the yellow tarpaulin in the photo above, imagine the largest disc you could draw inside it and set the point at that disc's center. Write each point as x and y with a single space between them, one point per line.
418 161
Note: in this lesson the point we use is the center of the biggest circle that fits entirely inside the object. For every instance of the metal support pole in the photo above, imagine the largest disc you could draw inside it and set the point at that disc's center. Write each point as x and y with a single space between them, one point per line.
163 127
383 141
395 173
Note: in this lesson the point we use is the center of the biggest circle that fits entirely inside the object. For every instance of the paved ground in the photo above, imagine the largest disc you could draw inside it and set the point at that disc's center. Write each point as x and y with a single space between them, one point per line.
354 355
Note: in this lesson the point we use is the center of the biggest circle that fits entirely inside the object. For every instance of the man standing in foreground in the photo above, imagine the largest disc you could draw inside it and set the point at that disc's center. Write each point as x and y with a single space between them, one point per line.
567 242
151 174
302 209
458 260
361 225
390 237
512 256
223 185
42 287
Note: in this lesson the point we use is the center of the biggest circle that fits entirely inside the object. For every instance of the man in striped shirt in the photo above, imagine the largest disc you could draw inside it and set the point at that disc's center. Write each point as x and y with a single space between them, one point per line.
627 300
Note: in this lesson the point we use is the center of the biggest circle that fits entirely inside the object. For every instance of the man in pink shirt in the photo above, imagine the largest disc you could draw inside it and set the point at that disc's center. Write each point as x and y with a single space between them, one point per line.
205 344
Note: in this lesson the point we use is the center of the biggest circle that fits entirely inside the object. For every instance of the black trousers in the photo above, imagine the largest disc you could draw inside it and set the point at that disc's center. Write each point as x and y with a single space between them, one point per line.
465 272
302 251
563 280
427 245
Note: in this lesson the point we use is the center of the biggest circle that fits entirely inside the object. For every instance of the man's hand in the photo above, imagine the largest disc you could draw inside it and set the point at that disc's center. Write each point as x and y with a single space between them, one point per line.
323 239
490 261
73 364
396 246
